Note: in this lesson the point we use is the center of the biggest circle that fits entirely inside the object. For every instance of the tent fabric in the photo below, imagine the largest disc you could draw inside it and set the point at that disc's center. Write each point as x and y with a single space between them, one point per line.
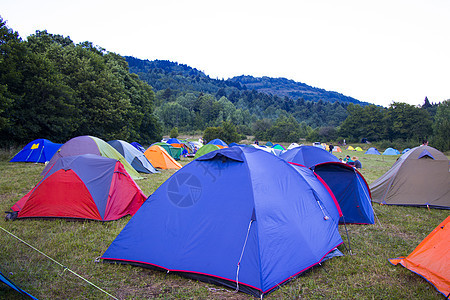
90 145
173 141
85 186
219 143
269 144
358 149
308 156
337 149
350 148
37 151
431 258
159 158
424 153
12 285
221 219
415 180
267 149
206 149
189 149
293 145
391 151
133 156
347 184
138 146
351 191
175 152
405 150
195 146
372 150
279 147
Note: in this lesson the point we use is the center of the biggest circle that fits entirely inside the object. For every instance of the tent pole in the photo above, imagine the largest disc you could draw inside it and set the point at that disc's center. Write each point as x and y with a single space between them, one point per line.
348 238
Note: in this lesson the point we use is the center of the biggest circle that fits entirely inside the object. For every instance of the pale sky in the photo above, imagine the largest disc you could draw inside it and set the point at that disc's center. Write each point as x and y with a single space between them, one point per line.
375 51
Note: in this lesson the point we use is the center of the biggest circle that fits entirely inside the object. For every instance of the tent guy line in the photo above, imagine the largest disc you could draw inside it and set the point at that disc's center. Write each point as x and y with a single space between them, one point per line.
58 263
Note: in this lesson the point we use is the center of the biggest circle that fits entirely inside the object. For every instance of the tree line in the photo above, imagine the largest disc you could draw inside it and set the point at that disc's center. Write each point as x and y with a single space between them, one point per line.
399 122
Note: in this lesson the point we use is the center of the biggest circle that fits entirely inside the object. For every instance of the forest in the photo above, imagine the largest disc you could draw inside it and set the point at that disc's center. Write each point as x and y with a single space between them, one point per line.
52 88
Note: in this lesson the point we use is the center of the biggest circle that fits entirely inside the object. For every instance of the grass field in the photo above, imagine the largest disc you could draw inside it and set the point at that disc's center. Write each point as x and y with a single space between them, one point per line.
366 274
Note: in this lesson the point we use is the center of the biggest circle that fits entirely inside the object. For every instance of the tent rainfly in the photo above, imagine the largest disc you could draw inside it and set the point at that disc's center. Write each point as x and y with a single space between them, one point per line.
85 186
420 177
431 258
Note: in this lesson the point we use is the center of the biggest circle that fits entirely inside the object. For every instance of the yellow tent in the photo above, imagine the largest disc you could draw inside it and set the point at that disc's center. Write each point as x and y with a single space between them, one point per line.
350 148
159 158
359 149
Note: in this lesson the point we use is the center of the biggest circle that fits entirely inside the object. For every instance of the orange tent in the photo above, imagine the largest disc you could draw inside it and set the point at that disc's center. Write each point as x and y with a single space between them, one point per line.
159 158
431 258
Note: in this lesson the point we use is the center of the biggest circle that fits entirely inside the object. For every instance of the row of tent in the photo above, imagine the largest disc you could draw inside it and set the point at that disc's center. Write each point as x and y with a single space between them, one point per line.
197 198
247 209
223 207
388 151
133 156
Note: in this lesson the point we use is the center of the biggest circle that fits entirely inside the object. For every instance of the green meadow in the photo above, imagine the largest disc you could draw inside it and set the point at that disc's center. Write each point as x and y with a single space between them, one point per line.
68 247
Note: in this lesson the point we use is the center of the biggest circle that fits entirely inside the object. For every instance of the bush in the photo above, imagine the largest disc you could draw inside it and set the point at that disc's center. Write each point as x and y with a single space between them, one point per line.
227 132
174 132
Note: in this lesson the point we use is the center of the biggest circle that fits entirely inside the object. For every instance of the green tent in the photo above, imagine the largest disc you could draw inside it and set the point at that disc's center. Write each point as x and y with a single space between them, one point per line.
175 152
278 146
206 149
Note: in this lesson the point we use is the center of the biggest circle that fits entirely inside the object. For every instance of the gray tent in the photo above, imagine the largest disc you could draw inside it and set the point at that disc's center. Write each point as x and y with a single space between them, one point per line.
133 156
420 177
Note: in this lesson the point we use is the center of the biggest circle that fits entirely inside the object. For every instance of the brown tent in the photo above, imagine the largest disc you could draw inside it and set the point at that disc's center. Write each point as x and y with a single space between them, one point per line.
420 177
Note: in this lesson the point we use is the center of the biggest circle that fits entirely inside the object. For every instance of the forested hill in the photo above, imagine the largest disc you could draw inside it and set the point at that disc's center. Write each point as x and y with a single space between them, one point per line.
163 74
289 88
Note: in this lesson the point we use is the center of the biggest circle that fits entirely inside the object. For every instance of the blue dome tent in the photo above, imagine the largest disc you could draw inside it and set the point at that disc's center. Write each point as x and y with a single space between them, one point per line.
308 156
218 142
405 150
222 220
372 150
37 151
138 146
173 141
391 151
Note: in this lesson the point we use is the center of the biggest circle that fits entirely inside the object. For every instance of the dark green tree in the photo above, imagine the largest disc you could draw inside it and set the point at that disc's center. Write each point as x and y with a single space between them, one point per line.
261 128
211 133
364 122
230 134
405 121
441 127
285 129
174 133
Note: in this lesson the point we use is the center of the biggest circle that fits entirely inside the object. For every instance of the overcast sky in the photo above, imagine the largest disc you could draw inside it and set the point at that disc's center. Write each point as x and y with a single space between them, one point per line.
375 51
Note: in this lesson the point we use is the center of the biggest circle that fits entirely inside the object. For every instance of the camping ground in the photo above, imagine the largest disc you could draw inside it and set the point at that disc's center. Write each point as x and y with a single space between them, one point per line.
364 274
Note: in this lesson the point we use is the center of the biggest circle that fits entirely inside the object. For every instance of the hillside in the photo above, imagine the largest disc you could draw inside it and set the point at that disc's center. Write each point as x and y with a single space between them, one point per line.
289 88
163 74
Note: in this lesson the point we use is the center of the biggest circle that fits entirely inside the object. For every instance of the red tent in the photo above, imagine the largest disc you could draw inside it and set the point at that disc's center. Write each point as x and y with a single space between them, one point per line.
84 186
